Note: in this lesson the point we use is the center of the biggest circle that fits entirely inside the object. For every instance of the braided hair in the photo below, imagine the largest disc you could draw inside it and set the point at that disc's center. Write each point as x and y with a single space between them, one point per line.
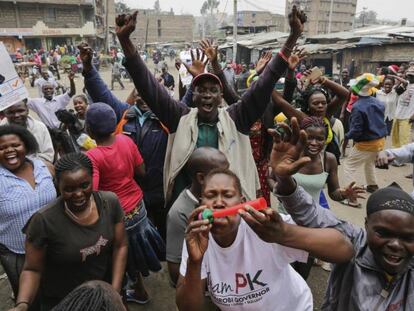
90 296
313 122
73 162
303 100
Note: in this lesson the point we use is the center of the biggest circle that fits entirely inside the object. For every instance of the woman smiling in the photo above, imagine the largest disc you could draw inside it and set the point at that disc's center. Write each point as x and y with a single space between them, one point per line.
25 186
78 237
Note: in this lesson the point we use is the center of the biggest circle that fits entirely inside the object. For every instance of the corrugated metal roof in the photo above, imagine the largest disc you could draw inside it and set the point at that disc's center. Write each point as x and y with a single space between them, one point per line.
257 39
371 31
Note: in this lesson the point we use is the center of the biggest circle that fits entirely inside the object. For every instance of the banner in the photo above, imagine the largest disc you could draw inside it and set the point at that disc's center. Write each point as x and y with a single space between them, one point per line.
12 89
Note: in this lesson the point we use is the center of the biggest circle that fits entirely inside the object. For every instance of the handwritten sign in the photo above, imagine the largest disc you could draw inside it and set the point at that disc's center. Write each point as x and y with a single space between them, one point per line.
12 89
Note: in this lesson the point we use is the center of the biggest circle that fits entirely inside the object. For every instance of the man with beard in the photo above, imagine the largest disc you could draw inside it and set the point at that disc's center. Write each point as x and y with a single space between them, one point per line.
226 129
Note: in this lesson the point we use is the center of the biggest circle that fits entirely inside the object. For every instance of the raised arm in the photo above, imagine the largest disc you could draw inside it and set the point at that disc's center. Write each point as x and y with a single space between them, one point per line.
72 90
210 50
294 59
168 110
253 103
340 98
289 111
96 87
286 159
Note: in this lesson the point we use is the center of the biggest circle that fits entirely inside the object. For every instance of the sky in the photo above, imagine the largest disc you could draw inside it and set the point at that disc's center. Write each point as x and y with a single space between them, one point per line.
386 9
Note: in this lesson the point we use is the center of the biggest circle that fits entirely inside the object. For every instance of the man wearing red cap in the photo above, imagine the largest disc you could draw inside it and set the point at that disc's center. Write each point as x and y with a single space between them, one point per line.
207 125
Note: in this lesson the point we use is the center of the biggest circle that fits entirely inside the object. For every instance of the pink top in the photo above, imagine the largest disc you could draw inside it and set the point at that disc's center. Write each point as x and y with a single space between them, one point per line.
113 170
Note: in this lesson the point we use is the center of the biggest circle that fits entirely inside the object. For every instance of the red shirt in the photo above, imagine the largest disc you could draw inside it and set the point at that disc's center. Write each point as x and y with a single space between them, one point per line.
113 170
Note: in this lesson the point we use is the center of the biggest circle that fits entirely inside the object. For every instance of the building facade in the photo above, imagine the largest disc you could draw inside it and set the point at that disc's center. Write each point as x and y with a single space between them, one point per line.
35 24
254 22
318 12
157 27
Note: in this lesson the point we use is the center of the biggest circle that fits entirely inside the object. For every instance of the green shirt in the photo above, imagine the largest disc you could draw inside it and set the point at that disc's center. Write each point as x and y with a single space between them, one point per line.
207 137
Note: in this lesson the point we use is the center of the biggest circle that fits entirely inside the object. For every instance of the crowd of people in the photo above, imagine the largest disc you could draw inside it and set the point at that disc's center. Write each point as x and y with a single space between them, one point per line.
92 201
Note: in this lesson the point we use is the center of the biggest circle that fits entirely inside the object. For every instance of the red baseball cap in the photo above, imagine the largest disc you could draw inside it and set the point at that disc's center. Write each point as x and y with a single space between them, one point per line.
206 76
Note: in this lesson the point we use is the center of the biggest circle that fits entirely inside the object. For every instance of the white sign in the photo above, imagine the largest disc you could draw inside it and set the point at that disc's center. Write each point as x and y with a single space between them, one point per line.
12 89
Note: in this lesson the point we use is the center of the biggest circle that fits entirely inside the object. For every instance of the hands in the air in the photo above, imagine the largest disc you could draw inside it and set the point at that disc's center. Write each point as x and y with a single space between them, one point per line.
286 158
296 57
125 25
199 62
297 20
263 61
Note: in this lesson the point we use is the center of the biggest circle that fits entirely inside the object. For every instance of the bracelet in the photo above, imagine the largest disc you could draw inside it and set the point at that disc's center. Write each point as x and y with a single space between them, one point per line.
22 302
285 58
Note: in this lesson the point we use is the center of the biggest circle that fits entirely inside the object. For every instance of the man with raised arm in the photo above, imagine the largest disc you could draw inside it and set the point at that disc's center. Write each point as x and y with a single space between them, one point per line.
380 275
207 125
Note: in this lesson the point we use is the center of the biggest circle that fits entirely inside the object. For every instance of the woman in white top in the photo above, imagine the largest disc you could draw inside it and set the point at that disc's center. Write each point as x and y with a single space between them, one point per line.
244 260
389 97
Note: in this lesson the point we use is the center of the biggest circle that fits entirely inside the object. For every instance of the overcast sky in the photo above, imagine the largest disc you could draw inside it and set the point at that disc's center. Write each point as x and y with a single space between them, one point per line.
386 9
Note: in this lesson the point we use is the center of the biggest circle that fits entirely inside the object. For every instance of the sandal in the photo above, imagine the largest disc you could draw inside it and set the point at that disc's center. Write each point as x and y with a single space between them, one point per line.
351 204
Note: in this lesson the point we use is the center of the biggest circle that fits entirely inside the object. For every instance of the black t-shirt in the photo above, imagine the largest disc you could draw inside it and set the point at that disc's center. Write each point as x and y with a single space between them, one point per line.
74 253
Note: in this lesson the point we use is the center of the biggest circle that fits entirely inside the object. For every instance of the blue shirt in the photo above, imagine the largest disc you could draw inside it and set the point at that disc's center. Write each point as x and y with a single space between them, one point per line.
19 201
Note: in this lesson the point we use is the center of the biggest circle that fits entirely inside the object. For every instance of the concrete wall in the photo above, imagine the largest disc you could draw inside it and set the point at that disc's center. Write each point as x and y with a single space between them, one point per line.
343 13
164 28
26 15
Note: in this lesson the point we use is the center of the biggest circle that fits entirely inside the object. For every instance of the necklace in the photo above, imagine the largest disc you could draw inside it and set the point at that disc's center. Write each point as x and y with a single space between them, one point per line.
76 218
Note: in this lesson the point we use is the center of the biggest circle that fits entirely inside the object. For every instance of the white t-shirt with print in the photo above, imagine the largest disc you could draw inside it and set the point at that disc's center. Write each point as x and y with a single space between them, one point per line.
253 275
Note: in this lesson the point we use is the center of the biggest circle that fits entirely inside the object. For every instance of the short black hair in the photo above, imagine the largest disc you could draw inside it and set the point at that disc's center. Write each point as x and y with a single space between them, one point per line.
82 97
224 171
24 134
72 162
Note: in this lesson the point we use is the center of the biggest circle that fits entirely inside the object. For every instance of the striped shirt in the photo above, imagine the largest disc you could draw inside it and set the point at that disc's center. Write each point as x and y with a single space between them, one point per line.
19 201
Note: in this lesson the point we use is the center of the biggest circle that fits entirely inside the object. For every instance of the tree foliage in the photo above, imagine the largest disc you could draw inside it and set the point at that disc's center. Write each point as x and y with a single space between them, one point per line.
209 6
121 8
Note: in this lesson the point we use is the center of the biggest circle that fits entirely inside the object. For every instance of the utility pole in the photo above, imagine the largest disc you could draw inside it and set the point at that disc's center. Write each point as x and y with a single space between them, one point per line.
107 39
330 17
146 32
364 9
234 30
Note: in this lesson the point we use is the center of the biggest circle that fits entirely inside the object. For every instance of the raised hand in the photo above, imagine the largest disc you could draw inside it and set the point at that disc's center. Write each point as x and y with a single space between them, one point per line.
86 53
263 61
209 50
297 20
196 235
296 57
352 192
267 224
286 158
71 75
199 62
177 64
125 25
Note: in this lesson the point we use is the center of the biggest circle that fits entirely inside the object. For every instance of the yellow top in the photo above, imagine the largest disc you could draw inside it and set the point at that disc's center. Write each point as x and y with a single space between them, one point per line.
373 145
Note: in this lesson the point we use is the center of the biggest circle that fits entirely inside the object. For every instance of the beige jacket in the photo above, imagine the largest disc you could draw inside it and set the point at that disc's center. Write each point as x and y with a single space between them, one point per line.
235 145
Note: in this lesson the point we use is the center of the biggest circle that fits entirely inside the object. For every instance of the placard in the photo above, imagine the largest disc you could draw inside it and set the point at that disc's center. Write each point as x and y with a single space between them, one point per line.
12 89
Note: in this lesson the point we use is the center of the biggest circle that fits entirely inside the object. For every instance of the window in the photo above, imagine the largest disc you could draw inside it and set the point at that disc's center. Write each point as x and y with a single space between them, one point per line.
159 27
51 14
